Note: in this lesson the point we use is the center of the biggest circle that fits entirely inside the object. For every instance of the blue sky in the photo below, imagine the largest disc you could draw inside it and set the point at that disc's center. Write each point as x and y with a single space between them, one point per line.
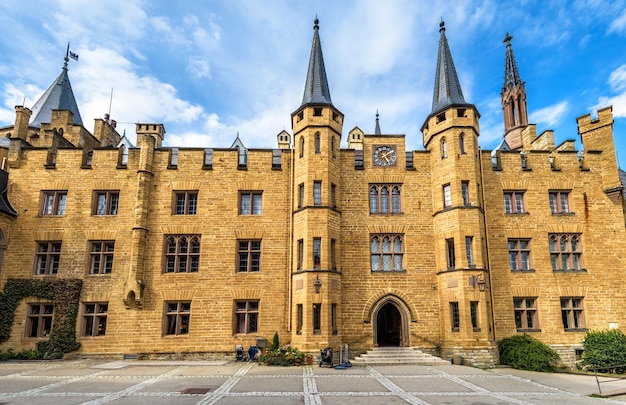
208 69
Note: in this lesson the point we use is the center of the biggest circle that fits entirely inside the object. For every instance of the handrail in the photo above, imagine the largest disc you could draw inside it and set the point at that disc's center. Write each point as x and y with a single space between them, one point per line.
595 373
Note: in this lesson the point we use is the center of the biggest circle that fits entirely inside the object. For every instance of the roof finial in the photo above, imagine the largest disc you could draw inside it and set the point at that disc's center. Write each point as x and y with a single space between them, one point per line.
316 23
442 25
67 56
507 39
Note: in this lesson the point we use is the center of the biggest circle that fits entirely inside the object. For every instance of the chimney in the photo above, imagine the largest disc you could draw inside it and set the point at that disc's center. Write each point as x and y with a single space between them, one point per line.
22 116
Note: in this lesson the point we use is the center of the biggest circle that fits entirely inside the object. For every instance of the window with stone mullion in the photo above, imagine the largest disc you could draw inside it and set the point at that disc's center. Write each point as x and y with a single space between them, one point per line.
182 254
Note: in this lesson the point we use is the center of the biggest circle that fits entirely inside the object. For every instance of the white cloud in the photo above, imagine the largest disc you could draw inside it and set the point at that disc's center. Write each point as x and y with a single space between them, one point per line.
199 68
550 115
136 98
617 81
618 25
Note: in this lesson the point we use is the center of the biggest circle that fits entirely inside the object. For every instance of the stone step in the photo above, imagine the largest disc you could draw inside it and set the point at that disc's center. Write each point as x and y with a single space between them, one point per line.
397 355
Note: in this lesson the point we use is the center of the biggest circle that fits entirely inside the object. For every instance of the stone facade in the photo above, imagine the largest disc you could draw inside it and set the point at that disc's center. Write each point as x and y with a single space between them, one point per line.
368 246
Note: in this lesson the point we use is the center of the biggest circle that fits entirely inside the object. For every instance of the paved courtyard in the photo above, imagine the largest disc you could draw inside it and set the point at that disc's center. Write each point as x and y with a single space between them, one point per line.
203 382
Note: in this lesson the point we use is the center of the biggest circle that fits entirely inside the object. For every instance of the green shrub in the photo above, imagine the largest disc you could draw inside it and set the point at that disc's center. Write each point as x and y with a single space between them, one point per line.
275 343
29 354
604 349
527 353
287 356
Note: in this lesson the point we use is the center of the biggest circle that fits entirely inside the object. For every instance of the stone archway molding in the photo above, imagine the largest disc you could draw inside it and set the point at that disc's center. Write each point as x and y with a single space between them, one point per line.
399 298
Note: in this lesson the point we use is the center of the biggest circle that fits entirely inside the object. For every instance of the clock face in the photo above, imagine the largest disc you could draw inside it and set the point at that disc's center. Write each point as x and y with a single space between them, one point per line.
384 156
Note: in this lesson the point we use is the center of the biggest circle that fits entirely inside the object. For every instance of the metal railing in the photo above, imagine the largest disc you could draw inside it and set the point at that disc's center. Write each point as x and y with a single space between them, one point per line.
612 379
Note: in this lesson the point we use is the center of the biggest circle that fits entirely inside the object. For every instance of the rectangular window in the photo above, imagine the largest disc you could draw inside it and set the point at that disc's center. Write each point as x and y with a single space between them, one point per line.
572 313
101 257
465 192
333 263
447 196
95 319
333 318
387 252
106 202
250 202
474 315
246 317
514 202
450 258
333 196
299 323
47 257
317 319
559 202
566 252
182 253
526 313
317 193
39 320
186 202
455 318
519 254
54 203
177 315
317 253
469 254
301 196
249 256
385 199
300 253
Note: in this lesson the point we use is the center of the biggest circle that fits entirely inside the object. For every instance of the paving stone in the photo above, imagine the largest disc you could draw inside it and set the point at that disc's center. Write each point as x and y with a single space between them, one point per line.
69 383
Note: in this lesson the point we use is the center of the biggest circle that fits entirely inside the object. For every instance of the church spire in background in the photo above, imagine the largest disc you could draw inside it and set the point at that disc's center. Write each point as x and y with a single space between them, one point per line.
513 99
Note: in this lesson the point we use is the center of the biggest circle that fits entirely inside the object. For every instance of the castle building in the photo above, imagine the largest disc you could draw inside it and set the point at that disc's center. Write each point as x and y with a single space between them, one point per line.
112 249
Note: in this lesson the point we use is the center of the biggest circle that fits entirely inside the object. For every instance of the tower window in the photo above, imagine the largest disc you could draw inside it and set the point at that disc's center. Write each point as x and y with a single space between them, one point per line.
317 112
450 259
317 193
454 316
444 148
318 143
317 319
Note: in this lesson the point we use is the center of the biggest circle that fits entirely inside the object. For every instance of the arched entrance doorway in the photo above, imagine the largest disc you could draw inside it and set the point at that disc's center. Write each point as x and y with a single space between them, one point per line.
389 329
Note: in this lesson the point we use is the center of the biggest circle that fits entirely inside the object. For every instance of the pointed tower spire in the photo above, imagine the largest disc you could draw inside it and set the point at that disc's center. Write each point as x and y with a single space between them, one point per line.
316 89
59 96
513 99
377 129
447 87
511 74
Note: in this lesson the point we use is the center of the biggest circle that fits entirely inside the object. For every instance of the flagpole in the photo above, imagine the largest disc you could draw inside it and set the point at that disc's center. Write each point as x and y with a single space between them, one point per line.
110 101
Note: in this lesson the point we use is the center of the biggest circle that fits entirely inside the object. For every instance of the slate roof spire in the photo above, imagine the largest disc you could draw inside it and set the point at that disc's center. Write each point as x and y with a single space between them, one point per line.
447 87
59 96
316 89
377 129
511 74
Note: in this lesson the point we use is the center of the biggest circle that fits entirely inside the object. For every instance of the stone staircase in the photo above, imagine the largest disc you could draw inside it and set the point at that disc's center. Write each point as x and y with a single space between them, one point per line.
397 356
